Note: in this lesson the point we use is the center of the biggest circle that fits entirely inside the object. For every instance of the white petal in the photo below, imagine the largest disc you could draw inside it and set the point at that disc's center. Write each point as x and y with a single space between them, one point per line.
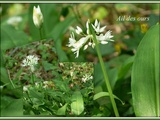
104 42
100 37
94 27
102 29
78 30
108 35
77 54
87 23
96 23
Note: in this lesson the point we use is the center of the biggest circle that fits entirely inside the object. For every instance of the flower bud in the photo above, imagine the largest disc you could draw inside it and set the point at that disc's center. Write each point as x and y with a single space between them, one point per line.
37 17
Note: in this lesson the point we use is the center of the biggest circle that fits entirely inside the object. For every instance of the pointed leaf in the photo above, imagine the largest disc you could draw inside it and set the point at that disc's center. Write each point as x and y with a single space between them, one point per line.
12 38
62 110
77 106
145 75
103 94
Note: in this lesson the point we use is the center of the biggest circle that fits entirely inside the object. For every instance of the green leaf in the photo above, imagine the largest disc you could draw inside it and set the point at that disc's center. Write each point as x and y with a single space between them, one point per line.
11 107
125 67
48 66
57 34
103 94
60 28
145 75
62 110
12 38
34 94
77 106
4 75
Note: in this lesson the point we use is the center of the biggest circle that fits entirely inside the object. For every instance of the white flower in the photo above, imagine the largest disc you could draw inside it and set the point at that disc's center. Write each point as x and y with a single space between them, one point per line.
37 16
83 41
25 88
14 20
86 77
77 45
72 40
71 73
45 82
97 28
30 61
87 26
78 30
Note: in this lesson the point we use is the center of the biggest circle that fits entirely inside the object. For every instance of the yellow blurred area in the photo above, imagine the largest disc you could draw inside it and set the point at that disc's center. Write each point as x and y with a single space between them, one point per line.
118 46
15 9
144 28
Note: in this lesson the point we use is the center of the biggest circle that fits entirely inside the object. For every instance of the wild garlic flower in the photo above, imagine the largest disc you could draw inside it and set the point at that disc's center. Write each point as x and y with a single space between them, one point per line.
26 87
14 21
87 38
30 61
37 17
86 77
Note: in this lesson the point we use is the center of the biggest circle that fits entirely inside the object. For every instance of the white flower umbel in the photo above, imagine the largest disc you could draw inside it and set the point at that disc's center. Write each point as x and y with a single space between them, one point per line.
37 17
86 77
87 39
15 20
30 61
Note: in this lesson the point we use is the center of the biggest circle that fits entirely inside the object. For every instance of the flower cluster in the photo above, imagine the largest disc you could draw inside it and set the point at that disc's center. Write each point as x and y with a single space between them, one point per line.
30 61
14 21
87 38
86 77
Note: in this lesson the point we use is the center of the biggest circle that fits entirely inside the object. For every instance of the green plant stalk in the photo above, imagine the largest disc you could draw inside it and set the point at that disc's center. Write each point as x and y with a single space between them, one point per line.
12 83
104 73
32 78
29 97
10 79
40 32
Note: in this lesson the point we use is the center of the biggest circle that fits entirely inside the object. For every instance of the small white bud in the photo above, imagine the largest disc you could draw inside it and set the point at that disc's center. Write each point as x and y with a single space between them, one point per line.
37 16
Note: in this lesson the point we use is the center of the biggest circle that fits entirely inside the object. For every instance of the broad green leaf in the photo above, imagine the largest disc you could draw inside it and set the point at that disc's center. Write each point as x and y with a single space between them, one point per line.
11 107
77 106
145 75
10 37
62 110
4 75
104 94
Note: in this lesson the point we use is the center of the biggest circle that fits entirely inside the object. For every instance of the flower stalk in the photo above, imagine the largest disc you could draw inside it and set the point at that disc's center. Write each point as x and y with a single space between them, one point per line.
32 78
104 72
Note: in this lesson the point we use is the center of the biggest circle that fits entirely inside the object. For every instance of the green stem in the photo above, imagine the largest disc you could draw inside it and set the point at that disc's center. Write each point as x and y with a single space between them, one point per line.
104 73
29 97
40 32
32 78
10 79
